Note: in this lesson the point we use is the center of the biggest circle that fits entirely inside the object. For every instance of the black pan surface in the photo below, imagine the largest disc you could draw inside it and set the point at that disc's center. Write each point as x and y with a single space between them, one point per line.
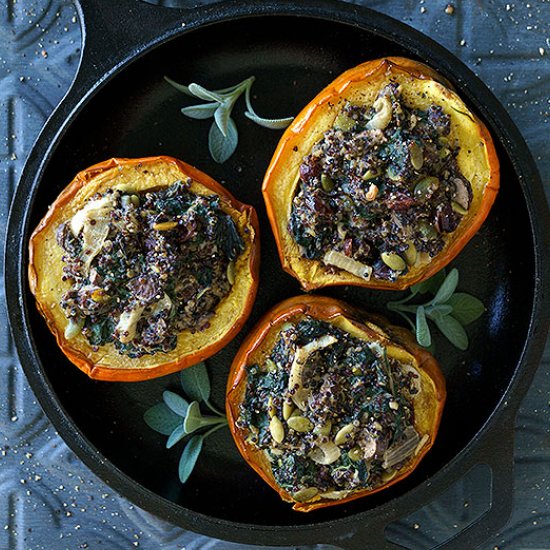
137 114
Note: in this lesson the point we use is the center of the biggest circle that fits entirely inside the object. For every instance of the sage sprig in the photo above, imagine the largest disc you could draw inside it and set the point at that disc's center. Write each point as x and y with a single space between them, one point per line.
179 417
449 310
223 136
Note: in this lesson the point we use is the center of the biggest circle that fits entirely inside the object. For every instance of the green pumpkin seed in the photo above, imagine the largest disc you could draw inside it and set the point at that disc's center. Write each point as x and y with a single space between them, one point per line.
270 408
276 429
231 272
444 153
270 365
324 429
426 186
370 173
134 199
411 254
356 370
305 494
326 183
344 122
427 230
344 434
393 261
300 424
288 409
416 154
356 454
458 209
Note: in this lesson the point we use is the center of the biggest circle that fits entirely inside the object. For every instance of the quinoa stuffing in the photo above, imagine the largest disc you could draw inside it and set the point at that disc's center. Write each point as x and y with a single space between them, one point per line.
381 187
332 412
145 266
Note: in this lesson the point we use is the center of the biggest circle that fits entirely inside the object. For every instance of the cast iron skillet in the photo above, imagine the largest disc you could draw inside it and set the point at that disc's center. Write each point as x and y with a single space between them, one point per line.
120 106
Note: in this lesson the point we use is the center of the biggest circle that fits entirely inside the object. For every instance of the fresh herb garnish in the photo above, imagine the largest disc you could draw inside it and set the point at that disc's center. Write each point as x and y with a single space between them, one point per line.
178 418
449 310
223 136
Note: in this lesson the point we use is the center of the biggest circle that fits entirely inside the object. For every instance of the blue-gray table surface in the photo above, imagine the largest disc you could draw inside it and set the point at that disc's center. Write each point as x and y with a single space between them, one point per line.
49 499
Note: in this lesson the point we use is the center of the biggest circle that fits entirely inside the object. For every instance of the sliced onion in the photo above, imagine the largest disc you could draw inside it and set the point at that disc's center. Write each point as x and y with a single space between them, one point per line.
337 259
295 382
127 324
400 451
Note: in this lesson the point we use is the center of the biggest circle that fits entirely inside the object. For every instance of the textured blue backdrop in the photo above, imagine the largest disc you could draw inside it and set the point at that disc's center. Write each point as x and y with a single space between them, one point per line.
49 499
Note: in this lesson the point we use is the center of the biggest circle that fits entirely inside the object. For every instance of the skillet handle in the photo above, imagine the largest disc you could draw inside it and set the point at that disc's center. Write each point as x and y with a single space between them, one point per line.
496 450
115 30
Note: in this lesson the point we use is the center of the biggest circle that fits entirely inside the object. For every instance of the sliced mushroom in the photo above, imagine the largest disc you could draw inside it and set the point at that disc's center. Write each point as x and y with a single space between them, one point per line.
325 453
462 194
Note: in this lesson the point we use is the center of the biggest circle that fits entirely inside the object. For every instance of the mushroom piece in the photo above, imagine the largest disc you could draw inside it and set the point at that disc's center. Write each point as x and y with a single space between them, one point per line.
462 194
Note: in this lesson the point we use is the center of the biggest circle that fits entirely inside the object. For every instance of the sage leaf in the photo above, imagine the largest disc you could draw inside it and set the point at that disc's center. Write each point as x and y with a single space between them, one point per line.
447 288
222 147
202 93
195 382
189 457
423 335
193 419
178 86
161 419
175 403
222 116
271 123
176 436
200 112
438 310
429 285
466 308
453 331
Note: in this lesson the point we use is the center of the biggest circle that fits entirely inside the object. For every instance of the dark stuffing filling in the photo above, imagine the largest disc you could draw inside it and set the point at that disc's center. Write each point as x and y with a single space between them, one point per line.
381 186
333 413
144 267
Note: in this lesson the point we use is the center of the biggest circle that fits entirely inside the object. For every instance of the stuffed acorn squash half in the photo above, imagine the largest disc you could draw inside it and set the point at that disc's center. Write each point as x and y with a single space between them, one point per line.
328 404
142 267
381 180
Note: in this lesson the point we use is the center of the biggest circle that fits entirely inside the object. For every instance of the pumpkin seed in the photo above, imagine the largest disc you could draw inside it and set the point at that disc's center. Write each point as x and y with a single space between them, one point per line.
394 405
416 154
231 272
444 153
344 122
356 371
326 183
165 226
343 434
393 261
458 209
388 475
324 429
270 365
300 424
134 199
411 254
270 408
426 186
277 430
288 409
286 326
356 454
427 230
305 494
370 173
325 453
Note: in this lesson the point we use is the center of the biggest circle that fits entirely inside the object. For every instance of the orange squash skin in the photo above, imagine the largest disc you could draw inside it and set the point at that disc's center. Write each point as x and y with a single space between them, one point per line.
291 149
328 309
133 369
